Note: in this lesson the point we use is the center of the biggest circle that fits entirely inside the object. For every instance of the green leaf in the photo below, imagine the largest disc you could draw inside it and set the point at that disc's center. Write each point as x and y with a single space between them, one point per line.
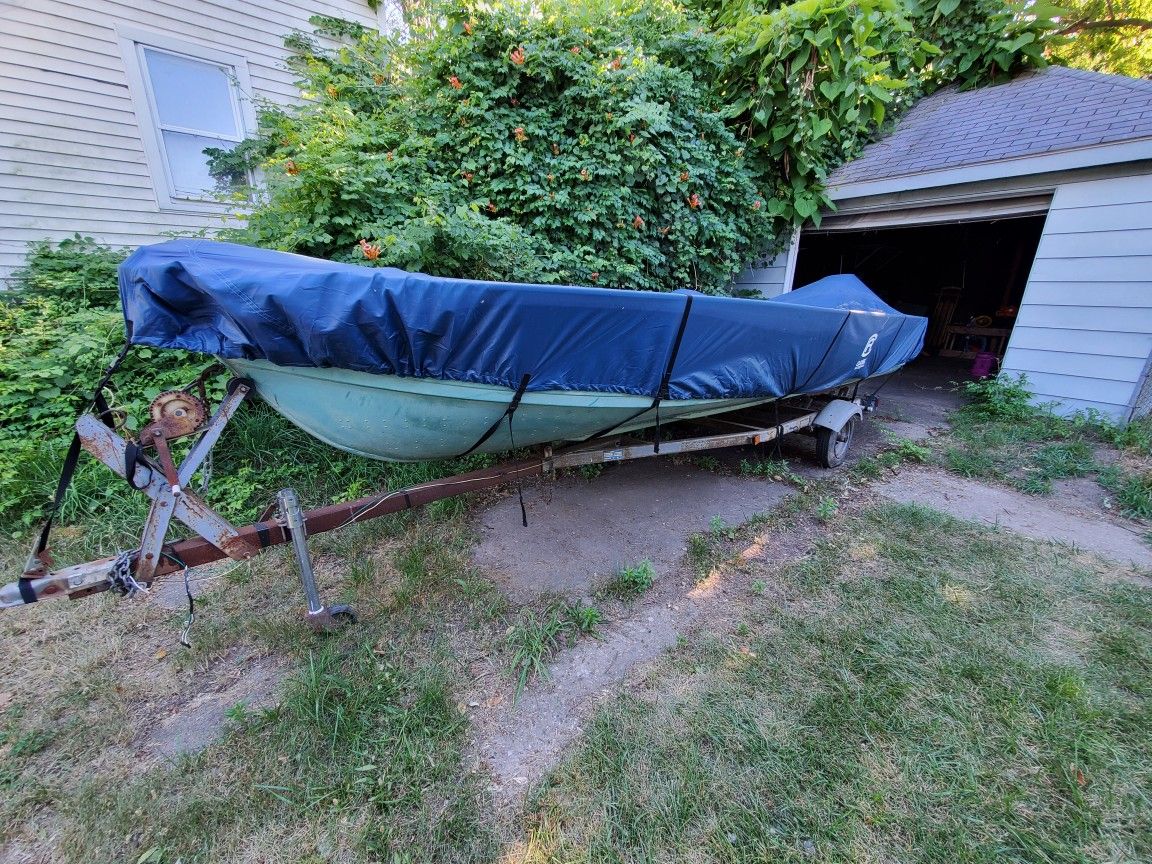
830 89
805 206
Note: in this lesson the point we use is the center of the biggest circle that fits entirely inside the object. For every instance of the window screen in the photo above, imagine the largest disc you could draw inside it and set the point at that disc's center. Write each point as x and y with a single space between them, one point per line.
195 106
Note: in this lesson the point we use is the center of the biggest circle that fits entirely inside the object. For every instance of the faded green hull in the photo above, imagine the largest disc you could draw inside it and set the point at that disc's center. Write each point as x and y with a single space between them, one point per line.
410 419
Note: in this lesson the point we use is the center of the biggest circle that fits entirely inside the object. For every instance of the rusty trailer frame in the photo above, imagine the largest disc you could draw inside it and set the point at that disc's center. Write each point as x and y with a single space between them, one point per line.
217 539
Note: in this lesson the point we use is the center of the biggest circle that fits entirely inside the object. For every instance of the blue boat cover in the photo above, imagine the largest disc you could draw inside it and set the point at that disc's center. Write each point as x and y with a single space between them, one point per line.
239 302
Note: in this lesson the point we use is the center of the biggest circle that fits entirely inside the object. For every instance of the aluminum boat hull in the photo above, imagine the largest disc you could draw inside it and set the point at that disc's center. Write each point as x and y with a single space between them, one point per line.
411 419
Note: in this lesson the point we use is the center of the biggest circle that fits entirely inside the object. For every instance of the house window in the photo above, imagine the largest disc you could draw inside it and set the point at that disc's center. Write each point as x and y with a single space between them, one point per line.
188 99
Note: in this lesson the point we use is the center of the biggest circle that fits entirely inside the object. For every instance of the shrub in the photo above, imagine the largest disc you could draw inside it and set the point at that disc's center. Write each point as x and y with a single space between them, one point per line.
571 144
809 82
60 327
982 41
77 272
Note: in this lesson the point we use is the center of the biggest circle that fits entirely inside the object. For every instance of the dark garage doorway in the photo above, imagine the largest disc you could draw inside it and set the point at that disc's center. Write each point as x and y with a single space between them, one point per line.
967 278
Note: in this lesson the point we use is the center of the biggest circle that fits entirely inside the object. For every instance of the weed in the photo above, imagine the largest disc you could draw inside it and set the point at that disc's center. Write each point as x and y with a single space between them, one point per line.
868 467
1134 436
907 450
1004 397
632 581
585 619
238 716
708 463
699 550
1132 491
534 637
899 451
591 472
759 586
826 508
718 528
772 469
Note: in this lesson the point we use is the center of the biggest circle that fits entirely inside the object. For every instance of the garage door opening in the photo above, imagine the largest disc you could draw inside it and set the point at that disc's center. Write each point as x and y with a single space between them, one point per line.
967 278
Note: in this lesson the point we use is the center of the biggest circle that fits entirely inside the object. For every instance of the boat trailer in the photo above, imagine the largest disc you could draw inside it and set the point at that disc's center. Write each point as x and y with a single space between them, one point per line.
147 464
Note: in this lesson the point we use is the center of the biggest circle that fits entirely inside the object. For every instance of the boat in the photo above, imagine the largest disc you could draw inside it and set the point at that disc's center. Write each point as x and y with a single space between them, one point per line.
404 366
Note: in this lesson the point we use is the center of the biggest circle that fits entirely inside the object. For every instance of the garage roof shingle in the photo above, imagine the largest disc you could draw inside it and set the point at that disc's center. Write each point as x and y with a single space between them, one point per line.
1037 113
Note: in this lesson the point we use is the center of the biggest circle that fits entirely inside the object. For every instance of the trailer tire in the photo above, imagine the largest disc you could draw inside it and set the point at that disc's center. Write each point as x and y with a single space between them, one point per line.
832 445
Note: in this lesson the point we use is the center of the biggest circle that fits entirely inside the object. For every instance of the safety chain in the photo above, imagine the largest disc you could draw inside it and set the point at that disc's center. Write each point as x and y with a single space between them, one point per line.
120 576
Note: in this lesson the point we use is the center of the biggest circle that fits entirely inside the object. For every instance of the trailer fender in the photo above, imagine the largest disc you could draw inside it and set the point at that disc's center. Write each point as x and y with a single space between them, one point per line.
836 413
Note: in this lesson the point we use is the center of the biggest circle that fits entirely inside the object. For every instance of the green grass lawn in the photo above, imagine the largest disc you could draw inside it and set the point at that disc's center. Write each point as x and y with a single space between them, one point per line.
1000 436
915 689
918 689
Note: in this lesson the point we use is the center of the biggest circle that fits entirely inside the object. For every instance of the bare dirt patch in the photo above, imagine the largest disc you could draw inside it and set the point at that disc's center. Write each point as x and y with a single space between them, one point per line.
580 531
190 724
1059 520
572 546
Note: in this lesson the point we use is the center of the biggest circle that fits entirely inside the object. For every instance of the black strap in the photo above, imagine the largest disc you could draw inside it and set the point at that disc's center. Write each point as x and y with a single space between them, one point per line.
892 345
68 469
26 592
665 380
663 392
508 412
519 482
827 351
131 458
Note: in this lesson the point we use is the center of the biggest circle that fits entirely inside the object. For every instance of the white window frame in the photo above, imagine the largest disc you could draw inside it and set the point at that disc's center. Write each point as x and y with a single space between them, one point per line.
132 44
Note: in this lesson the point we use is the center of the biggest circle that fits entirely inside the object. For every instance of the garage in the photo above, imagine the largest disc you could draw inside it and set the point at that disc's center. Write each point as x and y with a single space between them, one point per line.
967 275
1018 218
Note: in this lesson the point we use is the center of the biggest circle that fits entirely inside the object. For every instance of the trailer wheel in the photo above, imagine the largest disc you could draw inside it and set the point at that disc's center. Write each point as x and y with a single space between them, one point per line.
832 446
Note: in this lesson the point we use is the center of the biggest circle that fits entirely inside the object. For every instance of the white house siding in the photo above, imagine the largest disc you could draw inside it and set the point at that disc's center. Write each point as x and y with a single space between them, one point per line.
772 276
1084 332
71 152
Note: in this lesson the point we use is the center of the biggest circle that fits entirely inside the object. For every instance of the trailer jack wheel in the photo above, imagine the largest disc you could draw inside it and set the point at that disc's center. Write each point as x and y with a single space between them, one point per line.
832 445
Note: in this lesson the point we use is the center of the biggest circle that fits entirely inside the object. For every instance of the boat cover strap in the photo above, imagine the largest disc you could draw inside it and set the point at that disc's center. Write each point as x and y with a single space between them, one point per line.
662 392
508 412
68 470
131 458
800 388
